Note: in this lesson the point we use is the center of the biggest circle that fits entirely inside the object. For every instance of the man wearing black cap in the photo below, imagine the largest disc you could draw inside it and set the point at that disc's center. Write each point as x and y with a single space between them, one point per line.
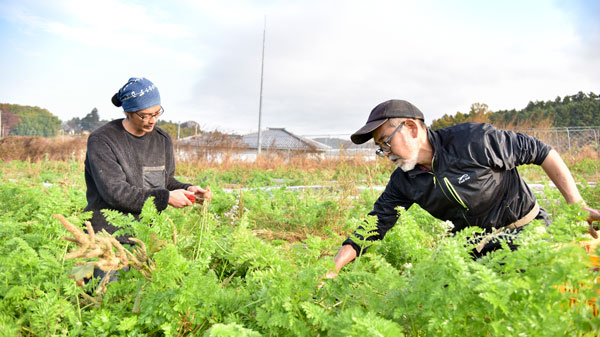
466 174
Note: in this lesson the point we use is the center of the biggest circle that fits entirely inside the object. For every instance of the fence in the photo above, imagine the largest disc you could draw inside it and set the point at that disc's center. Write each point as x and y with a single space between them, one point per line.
580 142
572 142
576 142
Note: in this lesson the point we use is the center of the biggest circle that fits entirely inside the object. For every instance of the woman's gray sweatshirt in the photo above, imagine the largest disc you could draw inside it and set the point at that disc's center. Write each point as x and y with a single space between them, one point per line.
123 170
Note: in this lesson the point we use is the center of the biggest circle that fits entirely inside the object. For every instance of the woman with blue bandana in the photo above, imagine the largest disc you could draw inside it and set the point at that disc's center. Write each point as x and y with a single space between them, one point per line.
131 159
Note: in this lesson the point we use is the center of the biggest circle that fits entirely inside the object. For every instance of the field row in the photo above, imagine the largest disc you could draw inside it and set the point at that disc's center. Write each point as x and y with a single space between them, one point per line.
251 263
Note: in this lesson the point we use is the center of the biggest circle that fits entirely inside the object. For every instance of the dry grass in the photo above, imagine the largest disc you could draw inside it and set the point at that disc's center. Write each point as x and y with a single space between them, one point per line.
62 148
227 157
533 123
269 161
34 149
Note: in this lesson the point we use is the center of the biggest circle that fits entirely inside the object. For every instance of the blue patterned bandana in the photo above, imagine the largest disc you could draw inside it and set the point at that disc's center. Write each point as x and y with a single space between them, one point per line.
137 94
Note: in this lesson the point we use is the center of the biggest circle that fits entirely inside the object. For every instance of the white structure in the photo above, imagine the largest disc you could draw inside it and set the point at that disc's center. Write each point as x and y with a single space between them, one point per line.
279 139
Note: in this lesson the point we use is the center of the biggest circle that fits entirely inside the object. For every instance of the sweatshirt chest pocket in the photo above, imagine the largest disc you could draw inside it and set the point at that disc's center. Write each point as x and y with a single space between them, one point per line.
475 191
154 177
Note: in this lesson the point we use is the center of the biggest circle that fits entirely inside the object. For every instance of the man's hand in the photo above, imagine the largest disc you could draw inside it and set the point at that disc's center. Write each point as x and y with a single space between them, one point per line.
343 257
178 199
201 194
594 214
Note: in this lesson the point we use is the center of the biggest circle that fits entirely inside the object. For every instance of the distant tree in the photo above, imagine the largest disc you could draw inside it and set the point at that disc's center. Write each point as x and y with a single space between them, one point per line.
38 125
33 121
185 129
479 113
9 120
189 129
444 122
576 110
74 124
169 127
91 121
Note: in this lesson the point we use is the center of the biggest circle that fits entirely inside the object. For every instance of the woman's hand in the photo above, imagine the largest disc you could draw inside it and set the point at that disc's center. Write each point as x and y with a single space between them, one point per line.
201 194
178 199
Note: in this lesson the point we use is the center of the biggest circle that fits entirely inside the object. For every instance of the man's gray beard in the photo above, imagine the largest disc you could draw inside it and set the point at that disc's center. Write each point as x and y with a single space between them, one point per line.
410 163
404 164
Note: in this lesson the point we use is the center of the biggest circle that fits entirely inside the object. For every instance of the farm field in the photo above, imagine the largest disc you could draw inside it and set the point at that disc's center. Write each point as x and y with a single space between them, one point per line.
251 262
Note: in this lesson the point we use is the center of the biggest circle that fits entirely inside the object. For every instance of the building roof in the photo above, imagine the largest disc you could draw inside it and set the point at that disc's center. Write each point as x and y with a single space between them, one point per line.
281 139
214 139
339 143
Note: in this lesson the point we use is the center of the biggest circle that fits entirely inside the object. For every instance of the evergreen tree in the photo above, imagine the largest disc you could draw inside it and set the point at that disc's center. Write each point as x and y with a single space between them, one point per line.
91 121
576 110
73 124
33 121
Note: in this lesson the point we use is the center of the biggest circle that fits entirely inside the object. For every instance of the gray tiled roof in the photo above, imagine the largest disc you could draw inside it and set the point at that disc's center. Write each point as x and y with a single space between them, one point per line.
281 139
339 143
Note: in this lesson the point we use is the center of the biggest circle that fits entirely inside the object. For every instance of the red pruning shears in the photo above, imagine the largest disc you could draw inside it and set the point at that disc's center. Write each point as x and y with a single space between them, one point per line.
193 199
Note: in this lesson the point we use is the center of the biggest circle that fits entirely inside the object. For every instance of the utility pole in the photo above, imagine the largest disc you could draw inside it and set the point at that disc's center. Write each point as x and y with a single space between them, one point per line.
262 69
178 129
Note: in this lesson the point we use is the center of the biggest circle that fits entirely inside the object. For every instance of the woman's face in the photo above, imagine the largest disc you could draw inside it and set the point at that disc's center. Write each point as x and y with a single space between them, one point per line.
143 121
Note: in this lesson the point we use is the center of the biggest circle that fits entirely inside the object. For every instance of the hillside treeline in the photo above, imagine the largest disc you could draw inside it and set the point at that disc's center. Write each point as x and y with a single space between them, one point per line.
576 110
24 120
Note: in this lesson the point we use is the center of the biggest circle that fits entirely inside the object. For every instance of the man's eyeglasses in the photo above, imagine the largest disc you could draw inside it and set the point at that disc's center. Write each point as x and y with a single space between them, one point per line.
386 147
146 117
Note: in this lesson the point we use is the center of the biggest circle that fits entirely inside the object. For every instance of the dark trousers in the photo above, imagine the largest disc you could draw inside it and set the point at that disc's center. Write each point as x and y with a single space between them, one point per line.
98 273
495 243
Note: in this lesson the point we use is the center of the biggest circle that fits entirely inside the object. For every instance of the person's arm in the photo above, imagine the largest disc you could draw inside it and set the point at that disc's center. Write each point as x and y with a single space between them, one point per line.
385 211
345 255
561 176
559 173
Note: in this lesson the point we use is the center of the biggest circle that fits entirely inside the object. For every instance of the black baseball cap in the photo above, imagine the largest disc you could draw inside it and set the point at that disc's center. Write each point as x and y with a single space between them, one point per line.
394 108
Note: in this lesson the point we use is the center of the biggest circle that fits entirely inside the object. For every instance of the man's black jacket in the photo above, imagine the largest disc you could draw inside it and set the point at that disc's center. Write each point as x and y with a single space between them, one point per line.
473 182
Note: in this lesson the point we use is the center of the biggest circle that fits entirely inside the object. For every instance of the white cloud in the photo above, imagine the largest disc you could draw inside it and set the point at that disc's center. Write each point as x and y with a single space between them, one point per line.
328 65
113 25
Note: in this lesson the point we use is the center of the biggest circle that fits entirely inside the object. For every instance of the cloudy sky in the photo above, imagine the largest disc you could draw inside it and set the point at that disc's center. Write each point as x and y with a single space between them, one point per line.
327 62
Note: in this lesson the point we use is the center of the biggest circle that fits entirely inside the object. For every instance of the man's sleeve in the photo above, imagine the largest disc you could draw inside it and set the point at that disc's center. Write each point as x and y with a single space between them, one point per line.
507 149
385 210
112 184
